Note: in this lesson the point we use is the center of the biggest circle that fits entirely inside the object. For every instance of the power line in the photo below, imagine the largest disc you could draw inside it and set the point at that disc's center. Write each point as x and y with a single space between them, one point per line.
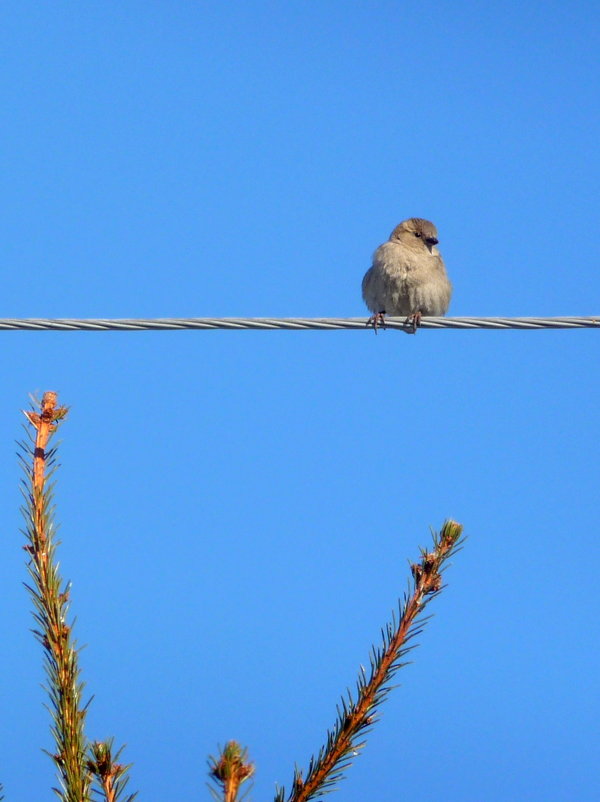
290 323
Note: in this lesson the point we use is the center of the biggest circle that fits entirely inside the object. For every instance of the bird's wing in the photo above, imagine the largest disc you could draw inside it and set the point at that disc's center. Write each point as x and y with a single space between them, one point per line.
369 292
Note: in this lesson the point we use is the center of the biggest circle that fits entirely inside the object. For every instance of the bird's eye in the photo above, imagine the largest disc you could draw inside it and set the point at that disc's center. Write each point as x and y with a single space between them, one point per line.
417 234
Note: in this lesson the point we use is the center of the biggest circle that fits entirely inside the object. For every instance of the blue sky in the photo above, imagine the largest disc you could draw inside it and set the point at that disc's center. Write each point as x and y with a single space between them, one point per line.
237 509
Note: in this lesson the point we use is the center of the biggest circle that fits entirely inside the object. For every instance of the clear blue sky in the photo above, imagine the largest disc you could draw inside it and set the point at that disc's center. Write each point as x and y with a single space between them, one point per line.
237 509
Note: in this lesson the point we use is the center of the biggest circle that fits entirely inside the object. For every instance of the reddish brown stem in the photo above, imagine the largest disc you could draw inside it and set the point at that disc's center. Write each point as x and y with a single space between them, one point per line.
52 604
427 581
231 769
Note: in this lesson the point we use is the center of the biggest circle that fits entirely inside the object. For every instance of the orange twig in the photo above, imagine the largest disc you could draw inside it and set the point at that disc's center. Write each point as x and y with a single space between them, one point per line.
51 608
230 770
358 716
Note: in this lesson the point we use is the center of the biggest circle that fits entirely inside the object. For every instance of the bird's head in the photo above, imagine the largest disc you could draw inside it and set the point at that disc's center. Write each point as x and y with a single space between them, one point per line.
416 233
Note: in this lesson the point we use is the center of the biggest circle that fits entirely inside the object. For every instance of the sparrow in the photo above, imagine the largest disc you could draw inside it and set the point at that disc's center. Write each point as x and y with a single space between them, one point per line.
408 276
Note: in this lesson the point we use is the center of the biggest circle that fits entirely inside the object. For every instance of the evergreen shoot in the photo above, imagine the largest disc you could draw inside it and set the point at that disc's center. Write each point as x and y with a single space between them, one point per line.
81 767
357 714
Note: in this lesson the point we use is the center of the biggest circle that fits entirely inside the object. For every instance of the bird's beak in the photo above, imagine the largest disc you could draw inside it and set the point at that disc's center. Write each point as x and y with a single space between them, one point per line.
430 242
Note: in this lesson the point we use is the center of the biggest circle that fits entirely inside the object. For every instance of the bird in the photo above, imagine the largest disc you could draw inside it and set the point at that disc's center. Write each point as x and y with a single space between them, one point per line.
408 276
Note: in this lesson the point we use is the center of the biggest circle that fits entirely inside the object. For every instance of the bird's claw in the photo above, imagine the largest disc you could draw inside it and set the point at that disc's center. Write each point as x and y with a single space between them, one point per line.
413 322
376 321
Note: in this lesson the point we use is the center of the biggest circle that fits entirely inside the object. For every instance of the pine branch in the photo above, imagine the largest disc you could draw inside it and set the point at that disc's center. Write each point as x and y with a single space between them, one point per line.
229 771
77 761
356 717
51 605
111 777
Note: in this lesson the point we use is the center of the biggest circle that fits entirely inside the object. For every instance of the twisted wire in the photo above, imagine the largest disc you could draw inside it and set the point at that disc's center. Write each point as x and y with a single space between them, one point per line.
290 323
